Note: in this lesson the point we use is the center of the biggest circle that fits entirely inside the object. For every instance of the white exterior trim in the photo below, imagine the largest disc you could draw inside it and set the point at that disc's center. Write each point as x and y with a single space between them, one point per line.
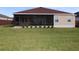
34 13
44 14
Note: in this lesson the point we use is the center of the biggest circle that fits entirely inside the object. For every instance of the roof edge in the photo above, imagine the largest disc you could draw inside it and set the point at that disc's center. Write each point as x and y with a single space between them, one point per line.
44 8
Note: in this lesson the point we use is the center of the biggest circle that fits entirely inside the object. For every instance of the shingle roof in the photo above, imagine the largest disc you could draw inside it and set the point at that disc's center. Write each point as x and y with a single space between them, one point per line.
77 14
41 10
4 16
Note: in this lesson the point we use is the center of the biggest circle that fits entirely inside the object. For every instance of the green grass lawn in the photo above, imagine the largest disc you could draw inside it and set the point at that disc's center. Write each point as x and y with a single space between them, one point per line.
55 39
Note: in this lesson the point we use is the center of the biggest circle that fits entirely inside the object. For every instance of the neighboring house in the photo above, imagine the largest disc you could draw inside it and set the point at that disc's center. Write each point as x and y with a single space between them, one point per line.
44 16
77 19
4 20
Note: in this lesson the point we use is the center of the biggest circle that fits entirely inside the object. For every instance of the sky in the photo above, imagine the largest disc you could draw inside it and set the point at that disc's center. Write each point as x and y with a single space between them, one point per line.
9 11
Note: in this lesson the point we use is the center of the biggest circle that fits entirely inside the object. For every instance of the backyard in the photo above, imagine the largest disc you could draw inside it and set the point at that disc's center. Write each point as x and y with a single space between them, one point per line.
39 39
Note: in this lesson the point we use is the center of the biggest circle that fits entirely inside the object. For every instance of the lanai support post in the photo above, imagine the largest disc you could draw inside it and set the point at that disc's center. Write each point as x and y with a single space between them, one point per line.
23 22
19 20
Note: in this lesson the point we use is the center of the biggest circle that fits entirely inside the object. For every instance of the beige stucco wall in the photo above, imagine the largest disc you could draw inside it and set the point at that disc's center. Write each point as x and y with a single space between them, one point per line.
63 20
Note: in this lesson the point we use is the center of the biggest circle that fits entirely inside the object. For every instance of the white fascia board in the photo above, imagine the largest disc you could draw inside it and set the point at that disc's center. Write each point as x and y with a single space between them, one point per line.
33 13
43 14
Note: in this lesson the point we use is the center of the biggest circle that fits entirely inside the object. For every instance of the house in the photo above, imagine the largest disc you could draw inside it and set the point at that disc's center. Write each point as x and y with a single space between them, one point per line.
77 19
41 16
4 20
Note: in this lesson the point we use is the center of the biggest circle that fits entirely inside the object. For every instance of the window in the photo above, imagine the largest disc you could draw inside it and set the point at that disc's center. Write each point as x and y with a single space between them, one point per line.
56 20
69 20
